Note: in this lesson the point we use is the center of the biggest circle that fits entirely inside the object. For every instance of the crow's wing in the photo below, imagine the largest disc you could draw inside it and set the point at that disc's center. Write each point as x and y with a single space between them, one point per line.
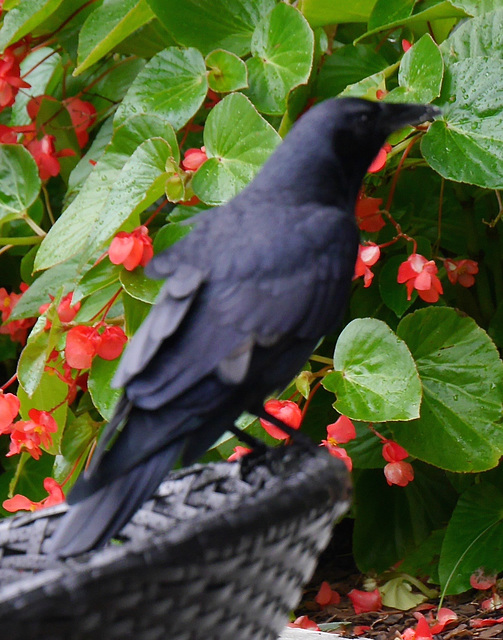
232 314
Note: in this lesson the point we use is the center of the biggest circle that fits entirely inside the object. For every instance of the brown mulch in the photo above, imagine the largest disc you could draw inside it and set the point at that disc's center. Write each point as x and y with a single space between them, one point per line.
337 567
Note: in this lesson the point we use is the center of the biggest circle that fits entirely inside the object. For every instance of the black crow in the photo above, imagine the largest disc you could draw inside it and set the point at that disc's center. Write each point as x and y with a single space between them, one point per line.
248 295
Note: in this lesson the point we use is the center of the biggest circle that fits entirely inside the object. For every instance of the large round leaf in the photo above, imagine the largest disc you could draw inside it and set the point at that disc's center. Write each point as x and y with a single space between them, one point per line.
473 538
462 378
415 84
238 141
19 181
466 145
226 24
173 84
227 71
282 49
374 375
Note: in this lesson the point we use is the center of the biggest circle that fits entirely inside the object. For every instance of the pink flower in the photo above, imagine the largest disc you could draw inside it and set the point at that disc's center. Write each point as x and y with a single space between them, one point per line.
482 580
461 271
368 255
341 431
9 408
399 473
420 274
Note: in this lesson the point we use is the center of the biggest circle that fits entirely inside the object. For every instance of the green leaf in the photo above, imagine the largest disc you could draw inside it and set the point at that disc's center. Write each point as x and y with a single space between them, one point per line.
282 56
139 184
473 538
347 65
173 85
51 392
374 375
24 18
43 70
423 12
226 24
477 7
63 276
101 275
462 377
109 24
31 364
169 234
415 85
392 521
393 294
390 11
481 36
19 181
227 71
397 593
103 395
466 145
322 12
135 313
74 227
368 87
238 141
139 286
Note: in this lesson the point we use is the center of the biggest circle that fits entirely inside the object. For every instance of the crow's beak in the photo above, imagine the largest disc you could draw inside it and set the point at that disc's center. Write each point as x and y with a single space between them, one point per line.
396 116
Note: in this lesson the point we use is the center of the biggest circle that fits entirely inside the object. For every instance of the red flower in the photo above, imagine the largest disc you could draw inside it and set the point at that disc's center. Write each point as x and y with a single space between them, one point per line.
286 411
194 158
30 435
341 431
45 155
380 160
84 343
9 408
338 452
66 311
492 604
399 473
239 452
381 93
480 580
17 329
393 452
461 271
444 617
367 213
131 249
111 343
368 255
420 274
81 346
21 503
364 601
326 595
7 135
303 622
10 77
83 115
406 45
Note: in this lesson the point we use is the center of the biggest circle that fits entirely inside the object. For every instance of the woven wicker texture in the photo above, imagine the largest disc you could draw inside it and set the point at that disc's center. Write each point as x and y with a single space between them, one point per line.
221 552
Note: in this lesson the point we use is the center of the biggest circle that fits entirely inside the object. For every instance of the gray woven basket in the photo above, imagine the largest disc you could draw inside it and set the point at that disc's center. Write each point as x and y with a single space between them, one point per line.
221 552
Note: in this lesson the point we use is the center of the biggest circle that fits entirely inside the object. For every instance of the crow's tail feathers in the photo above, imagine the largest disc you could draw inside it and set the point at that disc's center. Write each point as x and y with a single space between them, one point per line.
100 516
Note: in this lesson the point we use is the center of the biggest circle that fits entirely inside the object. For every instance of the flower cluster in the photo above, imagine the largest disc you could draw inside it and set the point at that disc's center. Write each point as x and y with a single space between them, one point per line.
461 271
28 435
84 343
420 274
396 471
10 73
131 249
368 213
